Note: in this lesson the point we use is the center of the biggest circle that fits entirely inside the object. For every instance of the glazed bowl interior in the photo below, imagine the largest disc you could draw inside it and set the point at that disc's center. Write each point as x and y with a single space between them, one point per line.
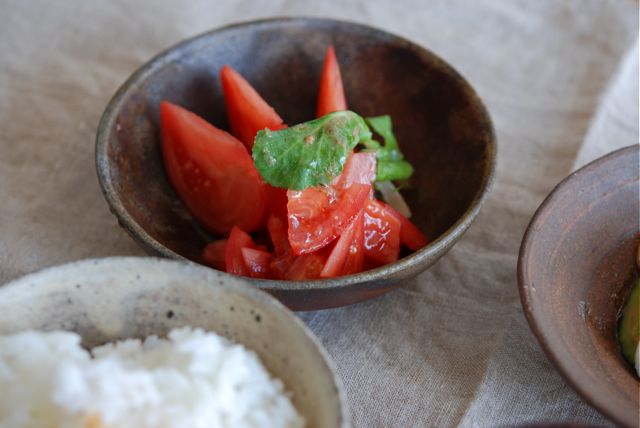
442 126
117 298
577 265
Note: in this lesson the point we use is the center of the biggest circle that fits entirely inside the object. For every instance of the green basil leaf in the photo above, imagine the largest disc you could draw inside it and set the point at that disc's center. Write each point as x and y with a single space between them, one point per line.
388 170
391 163
310 153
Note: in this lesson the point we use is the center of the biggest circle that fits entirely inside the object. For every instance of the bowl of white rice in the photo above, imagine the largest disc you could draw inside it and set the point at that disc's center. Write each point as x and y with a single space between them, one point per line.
144 342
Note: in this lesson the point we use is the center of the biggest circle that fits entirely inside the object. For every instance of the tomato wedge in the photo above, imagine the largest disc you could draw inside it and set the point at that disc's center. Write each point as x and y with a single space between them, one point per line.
381 233
247 112
359 168
233 258
347 256
213 254
410 235
331 94
277 200
306 266
212 172
277 228
354 262
256 261
280 265
317 215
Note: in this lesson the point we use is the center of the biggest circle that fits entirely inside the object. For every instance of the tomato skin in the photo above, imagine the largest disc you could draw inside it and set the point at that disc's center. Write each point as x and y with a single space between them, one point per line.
410 235
247 111
234 261
347 256
212 172
331 94
213 254
317 215
381 233
257 262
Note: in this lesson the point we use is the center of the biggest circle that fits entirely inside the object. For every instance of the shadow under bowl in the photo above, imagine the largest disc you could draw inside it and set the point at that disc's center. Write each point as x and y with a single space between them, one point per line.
443 128
111 299
576 267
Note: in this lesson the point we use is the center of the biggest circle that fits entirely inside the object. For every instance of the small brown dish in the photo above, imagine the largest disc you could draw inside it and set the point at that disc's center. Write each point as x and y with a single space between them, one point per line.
442 126
575 271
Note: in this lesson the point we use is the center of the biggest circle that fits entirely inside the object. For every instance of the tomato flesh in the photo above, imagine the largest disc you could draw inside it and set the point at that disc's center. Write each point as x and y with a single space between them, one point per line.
213 254
410 235
331 94
212 172
359 168
381 233
247 111
317 215
233 258
306 266
277 200
277 228
280 265
347 256
354 261
257 262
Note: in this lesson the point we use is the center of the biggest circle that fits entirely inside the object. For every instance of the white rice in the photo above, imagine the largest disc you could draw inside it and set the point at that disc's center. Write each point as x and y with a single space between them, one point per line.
194 379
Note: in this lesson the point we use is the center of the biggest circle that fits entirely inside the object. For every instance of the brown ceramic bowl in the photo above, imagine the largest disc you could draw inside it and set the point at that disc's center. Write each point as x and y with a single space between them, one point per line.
575 271
442 126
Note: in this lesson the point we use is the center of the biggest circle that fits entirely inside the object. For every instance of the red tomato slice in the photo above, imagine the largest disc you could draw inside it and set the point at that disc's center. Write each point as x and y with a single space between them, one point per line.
381 233
213 254
309 228
233 258
347 256
248 113
277 200
257 262
212 172
306 266
277 227
331 94
317 215
280 265
354 262
410 235
359 168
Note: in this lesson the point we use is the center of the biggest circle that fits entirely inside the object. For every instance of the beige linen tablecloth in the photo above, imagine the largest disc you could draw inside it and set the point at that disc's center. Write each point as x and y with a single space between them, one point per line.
451 347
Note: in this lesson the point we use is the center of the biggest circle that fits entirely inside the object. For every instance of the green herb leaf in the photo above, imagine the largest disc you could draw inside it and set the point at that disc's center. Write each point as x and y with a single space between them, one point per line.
310 153
391 163
393 170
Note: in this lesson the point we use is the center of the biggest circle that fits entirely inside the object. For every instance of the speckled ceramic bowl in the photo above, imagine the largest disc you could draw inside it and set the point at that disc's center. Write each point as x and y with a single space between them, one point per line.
441 124
576 267
116 298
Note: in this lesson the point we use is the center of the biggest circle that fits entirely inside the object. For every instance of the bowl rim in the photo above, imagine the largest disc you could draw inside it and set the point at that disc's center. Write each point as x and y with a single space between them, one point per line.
421 257
568 371
191 269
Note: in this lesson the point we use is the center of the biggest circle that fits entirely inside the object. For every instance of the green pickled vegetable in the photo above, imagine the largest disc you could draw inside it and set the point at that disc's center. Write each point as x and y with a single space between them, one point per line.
629 327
